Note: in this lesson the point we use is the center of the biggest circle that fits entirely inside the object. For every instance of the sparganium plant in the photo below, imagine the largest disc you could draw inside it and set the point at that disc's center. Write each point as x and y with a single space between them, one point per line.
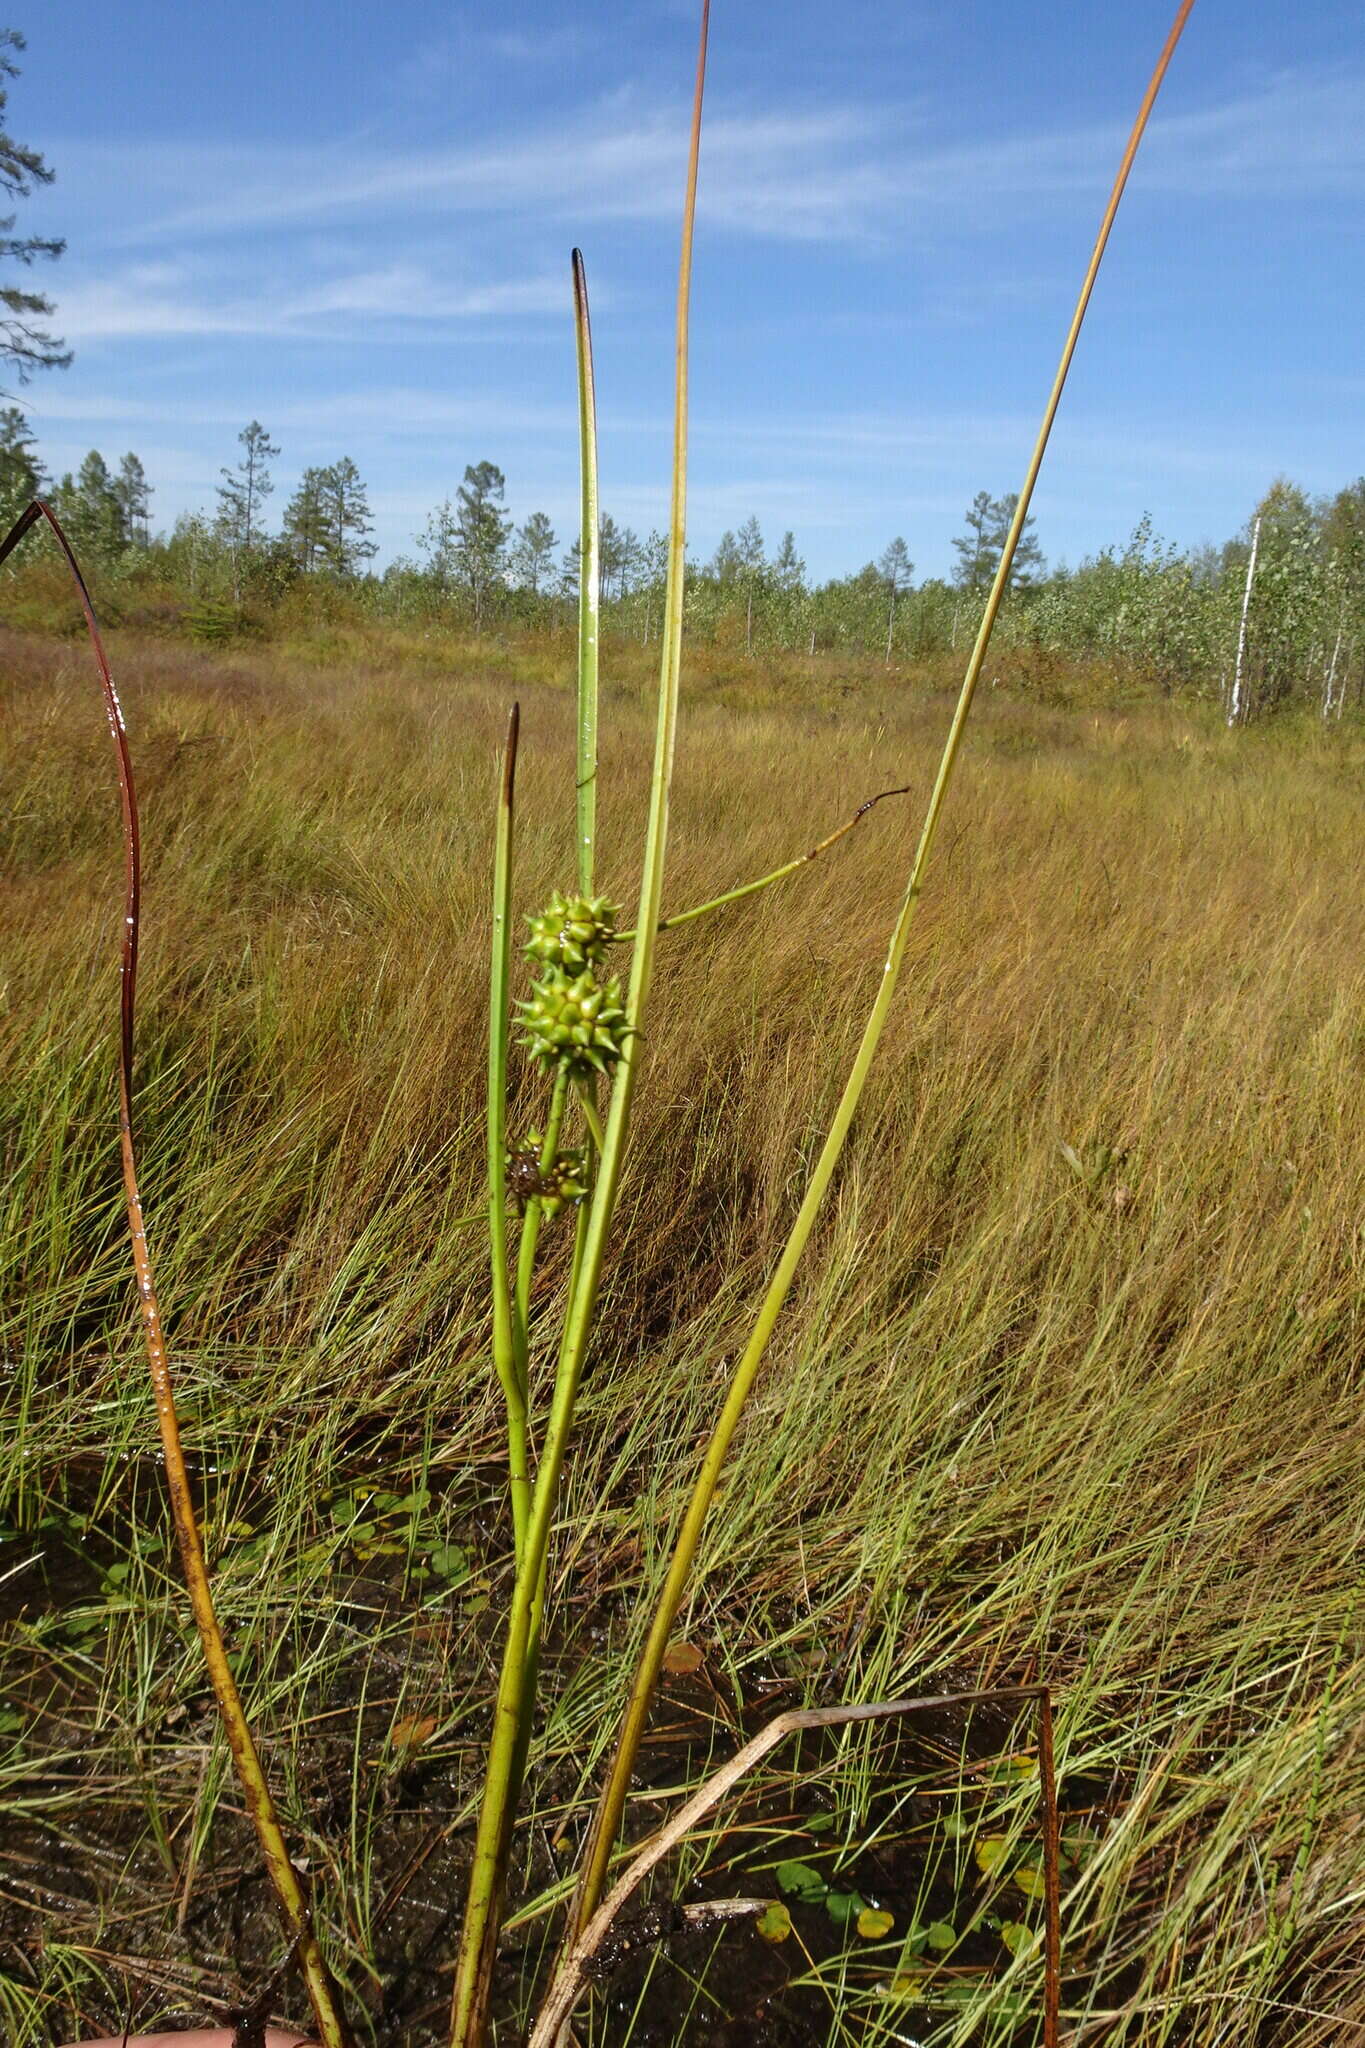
579 1028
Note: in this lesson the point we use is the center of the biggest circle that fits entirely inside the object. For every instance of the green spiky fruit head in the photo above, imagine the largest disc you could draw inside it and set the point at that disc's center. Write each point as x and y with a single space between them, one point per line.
574 1023
554 1186
571 933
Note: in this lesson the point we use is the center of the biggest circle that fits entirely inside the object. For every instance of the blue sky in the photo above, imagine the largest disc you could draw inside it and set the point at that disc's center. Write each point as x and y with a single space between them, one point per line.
355 226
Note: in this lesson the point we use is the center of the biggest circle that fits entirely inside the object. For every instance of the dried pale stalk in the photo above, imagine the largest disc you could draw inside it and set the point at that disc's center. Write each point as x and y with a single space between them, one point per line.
572 1972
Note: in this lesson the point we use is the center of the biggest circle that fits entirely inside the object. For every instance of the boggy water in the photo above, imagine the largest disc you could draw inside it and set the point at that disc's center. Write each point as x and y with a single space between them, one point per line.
871 1850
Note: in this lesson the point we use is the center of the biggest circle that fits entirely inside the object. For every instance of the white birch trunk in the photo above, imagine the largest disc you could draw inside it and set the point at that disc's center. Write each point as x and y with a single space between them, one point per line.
1237 708
1330 680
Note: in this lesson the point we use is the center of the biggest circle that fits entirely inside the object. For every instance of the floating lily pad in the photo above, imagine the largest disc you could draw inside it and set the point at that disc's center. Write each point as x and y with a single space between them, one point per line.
775 1922
801 1881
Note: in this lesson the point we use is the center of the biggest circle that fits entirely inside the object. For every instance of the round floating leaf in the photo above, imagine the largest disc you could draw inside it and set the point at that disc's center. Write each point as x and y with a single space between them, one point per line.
1030 1881
683 1660
449 1561
873 1923
1015 1935
991 1852
905 1984
775 1922
844 1906
801 1882
941 1935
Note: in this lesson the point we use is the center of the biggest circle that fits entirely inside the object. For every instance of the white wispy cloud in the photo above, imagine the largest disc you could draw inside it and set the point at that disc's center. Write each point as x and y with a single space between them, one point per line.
160 300
831 172
393 410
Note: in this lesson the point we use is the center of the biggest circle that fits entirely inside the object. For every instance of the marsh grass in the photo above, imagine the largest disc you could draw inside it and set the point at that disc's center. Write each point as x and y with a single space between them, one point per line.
1134 1456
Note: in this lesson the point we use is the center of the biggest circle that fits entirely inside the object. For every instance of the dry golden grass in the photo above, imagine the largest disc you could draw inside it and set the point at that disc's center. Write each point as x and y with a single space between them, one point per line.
1098 1409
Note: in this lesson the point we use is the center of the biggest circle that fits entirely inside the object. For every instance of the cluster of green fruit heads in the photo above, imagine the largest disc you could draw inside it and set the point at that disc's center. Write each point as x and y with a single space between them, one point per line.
571 1019
574 1024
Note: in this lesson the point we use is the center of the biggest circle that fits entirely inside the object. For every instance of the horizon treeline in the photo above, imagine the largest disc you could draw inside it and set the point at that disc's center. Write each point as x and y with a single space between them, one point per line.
1276 615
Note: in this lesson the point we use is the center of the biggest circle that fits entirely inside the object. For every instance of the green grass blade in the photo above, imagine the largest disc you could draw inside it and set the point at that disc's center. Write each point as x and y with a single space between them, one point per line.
505 1350
589 583
530 1233
779 874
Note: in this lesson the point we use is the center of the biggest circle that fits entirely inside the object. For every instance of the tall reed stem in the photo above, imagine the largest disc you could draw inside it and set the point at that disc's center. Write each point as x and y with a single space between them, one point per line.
589 582
611 1806
508 1357
530 1232
483 1909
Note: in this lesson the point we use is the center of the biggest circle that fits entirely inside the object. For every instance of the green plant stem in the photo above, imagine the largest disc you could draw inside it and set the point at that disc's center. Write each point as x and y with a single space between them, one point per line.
505 1349
590 1116
474 1968
789 867
589 583
582 1219
611 1806
530 1234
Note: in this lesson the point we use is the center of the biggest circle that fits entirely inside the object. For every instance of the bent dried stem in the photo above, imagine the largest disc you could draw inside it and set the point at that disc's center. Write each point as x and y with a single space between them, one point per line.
284 1879
574 1966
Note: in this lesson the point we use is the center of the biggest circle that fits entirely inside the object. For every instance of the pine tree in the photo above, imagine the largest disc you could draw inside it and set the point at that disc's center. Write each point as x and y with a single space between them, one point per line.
1027 566
438 540
568 569
979 550
482 527
134 496
305 524
975 562
897 568
242 490
619 555
653 574
26 345
789 570
89 508
727 561
21 476
749 547
347 525
533 553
